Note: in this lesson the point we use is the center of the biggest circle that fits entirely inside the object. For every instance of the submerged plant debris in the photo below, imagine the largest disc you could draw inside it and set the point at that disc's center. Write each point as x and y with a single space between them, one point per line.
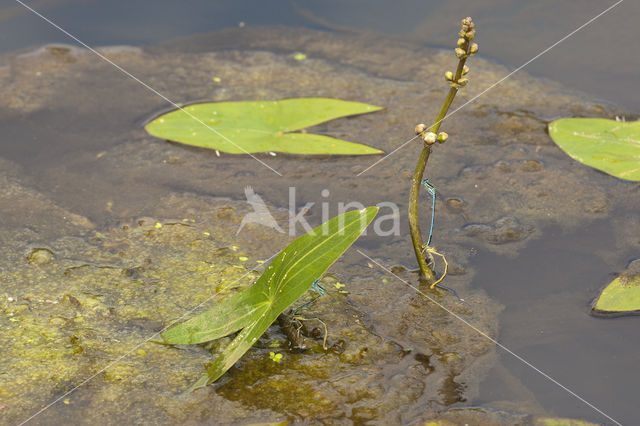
79 290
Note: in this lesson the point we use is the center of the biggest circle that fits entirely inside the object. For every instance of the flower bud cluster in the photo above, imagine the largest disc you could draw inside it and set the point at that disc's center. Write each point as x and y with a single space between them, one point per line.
468 30
467 34
430 138
464 50
461 82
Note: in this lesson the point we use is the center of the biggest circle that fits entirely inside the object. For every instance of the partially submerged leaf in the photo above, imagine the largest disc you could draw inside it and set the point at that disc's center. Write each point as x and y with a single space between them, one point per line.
621 296
607 145
285 280
261 126
234 313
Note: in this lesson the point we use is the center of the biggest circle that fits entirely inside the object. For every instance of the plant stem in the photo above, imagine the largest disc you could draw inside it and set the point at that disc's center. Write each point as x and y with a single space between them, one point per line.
296 341
414 226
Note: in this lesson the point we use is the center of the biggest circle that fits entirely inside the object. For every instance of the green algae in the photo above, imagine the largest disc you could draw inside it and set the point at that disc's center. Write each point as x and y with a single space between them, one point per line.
102 295
69 318
40 256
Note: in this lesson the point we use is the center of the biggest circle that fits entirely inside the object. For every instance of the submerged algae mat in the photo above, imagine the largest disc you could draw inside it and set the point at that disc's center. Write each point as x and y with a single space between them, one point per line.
75 300
75 303
393 356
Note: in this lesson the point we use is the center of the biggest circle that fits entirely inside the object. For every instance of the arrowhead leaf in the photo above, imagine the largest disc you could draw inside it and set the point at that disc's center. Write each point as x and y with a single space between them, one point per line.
229 316
607 145
285 280
261 126
620 296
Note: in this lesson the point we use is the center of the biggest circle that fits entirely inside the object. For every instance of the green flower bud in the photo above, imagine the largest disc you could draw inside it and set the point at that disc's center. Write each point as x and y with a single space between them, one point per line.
461 42
463 82
420 128
448 75
442 136
471 35
460 53
473 49
429 138
465 70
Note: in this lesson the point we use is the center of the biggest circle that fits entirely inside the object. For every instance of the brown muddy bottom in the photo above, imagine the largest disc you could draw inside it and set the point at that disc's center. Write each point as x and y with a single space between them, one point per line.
109 235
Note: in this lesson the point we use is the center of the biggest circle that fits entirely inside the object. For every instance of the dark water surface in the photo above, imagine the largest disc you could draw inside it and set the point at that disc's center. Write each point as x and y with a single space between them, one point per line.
577 227
547 292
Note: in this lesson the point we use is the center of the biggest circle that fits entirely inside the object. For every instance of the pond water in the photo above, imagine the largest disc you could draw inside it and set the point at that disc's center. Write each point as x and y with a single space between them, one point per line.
107 232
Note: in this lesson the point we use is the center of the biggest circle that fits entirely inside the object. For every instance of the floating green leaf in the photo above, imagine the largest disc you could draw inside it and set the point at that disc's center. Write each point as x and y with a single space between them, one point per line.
287 278
621 296
607 145
261 126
